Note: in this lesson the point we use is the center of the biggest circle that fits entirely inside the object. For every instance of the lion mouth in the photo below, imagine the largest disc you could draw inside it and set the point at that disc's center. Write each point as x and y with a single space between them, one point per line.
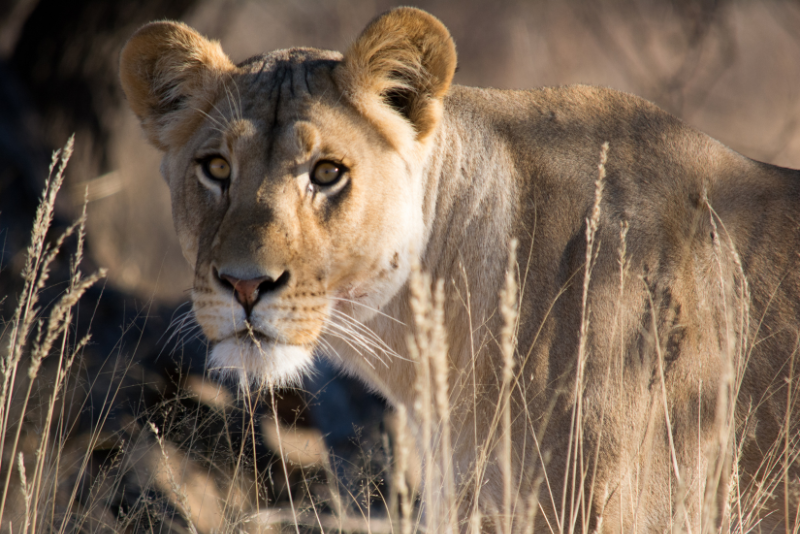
256 336
251 357
261 341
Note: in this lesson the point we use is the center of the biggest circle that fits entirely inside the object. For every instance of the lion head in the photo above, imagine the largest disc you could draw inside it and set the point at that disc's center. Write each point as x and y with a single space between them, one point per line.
297 177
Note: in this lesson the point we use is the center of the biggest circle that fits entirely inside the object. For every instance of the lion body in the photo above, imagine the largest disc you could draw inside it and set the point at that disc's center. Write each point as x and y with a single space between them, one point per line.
635 383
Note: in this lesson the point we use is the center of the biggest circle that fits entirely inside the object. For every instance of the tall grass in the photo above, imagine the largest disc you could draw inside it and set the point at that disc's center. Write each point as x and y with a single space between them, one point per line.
43 472
37 337
725 505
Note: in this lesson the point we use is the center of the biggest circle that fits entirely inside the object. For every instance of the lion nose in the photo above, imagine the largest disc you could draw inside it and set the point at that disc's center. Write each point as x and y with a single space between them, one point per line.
248 292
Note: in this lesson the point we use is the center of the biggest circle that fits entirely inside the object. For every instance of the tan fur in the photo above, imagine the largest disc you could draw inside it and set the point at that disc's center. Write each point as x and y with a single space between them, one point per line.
703 315
170 69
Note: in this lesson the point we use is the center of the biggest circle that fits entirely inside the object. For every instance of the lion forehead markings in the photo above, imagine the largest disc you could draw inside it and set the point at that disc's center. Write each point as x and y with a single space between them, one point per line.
294 76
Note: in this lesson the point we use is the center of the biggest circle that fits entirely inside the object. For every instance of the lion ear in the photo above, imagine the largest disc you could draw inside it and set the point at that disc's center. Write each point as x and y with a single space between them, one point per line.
405 59
169 72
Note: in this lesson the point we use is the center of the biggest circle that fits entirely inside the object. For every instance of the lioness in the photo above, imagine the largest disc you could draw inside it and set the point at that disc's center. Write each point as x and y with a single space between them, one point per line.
653 359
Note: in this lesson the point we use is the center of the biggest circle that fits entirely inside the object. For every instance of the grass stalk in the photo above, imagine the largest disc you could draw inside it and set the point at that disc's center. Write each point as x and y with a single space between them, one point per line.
183 505
508 308
575 486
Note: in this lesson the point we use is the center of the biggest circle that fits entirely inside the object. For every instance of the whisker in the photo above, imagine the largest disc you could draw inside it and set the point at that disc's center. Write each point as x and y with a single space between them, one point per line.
329 349
347 341
358 339
365 334
179 321
184 332
350 301
231 101
238 101
361 334
219 126
364 330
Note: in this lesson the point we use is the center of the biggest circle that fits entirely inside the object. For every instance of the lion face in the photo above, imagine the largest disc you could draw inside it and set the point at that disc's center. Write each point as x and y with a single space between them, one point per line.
296 181
308 213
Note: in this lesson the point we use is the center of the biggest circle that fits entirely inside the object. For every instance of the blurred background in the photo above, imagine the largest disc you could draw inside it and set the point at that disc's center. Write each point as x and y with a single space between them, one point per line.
728 68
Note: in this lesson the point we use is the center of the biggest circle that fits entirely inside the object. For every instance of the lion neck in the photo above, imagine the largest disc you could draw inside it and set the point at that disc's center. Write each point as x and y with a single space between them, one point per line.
468 207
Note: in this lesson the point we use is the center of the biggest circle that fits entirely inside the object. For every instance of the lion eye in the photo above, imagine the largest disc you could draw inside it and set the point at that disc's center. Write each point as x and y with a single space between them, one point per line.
327 173
217 168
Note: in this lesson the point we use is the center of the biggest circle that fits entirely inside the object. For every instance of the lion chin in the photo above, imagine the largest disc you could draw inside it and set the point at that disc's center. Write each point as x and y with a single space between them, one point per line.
261 364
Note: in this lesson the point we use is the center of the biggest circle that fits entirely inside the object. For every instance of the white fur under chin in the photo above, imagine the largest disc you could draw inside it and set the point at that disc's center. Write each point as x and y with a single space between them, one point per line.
271 364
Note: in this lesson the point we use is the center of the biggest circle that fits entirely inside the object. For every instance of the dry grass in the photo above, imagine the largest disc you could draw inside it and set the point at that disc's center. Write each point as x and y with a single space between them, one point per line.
52 480
43 471
37 338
